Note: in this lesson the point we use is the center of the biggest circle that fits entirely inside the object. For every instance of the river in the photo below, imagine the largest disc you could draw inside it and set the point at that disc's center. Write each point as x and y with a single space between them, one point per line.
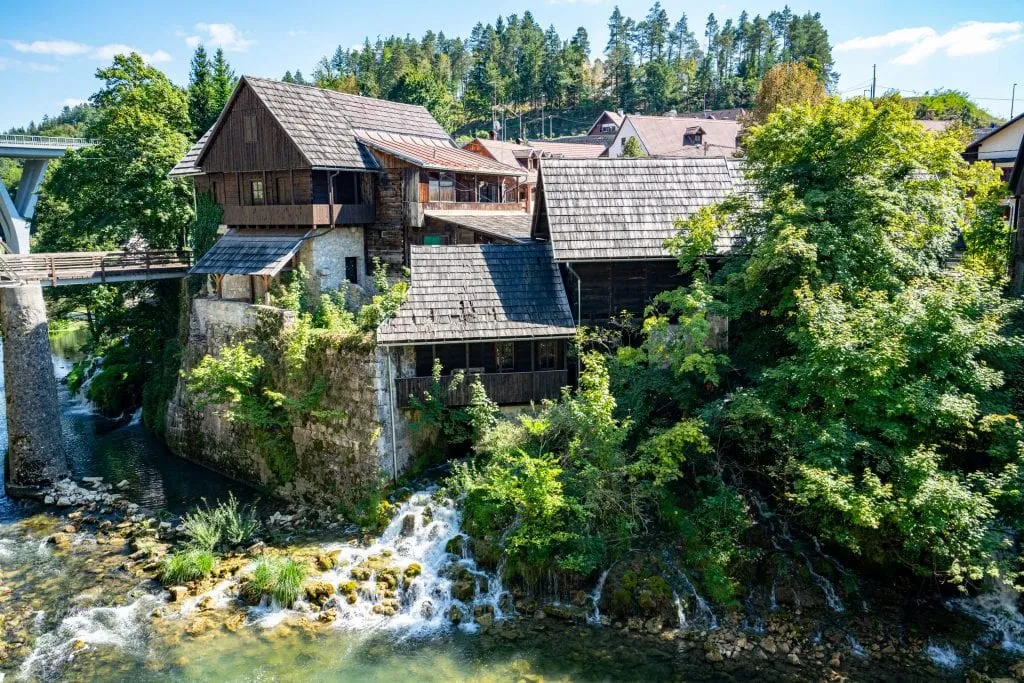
77 613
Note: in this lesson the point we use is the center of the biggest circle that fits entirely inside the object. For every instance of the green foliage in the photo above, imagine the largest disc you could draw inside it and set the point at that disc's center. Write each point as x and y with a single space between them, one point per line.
183 566
865 387
204 229
386 301
221 528
631 148
278 578
945 105
294 292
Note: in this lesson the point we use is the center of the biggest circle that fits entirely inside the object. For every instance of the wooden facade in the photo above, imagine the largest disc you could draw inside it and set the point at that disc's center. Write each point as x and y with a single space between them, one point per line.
513 372
600 291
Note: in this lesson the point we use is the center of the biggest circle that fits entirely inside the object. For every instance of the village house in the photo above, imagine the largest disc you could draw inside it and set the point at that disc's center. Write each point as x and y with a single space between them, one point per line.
496 312
337 181
676 136
998 145
1016 180
607 221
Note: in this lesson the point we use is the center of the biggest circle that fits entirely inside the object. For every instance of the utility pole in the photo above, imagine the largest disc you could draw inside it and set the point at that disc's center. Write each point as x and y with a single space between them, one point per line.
1013 97
542 118
551 124
874 77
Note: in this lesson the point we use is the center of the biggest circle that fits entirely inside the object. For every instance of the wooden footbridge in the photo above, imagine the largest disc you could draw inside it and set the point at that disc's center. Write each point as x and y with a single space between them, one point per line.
93 267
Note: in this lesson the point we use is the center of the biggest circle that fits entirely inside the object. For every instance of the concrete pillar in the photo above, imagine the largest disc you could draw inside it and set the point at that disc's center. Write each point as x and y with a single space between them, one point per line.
32 173
35 448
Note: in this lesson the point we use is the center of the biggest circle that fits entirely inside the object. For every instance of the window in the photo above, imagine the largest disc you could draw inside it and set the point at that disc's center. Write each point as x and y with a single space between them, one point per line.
249 127
257 192
693 139
609 128
547 355
352 269
432 240
441 186
504 356
489 191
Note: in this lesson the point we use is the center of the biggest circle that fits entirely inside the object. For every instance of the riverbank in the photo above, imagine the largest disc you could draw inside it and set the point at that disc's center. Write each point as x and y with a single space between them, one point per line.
80 598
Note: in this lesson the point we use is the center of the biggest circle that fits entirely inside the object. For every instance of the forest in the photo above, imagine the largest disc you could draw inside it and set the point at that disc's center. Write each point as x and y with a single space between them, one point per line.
648 65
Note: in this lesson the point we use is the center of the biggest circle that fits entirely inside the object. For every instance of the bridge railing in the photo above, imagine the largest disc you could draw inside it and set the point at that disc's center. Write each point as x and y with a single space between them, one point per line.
98 266
44 141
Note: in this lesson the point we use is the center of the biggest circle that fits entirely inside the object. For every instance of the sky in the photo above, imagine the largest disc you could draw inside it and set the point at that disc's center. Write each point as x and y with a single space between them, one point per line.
49 51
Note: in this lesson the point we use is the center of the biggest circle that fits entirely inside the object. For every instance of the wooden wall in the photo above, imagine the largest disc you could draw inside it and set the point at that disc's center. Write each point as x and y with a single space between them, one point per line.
271 148
610 288
235 189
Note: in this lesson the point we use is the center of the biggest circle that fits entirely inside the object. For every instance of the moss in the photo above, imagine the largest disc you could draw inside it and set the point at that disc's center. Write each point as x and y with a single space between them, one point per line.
413 570
348 588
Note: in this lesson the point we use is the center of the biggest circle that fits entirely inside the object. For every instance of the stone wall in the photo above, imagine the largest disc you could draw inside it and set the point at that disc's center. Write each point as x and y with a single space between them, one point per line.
341 450
330 250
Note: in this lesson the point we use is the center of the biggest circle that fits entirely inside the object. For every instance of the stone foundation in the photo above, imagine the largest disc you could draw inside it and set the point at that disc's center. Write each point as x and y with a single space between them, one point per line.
342 450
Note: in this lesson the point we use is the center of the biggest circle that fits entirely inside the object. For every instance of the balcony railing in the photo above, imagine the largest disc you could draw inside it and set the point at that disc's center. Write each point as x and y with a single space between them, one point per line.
298 214
504 388
474 206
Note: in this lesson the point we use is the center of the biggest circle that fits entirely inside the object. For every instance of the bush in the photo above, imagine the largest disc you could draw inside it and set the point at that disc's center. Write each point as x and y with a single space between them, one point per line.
279 578
220 528
187 565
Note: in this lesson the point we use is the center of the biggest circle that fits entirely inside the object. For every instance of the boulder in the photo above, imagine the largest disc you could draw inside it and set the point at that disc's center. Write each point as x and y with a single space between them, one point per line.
319 592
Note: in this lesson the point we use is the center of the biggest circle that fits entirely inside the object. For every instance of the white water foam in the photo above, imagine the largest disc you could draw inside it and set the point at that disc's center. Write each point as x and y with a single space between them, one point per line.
942 656
121 627
595 597
998 610
831 596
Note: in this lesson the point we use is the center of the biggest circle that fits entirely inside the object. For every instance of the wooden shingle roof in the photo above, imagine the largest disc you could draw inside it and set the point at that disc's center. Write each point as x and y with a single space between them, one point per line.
507 225
625 209
478 292
436 154
250 252
187 165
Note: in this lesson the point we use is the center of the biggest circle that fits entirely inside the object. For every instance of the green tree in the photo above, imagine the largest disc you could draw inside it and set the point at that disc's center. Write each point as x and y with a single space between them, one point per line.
631 148
866 388
224 82
785 85
202 110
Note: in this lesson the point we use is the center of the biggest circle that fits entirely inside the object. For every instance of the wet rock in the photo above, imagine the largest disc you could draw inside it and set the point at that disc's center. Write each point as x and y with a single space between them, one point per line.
464 589
178 593
455 615
123 484
326 561
486 620
235 622
408 525
427 610
413 570
60 540
456 546
199 626
793 659
836 661
206 604
428 515
319 592
769 646
327 616
566 612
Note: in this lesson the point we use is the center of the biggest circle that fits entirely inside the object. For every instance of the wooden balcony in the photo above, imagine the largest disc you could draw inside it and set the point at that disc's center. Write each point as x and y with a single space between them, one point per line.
504 388
474 206
298 214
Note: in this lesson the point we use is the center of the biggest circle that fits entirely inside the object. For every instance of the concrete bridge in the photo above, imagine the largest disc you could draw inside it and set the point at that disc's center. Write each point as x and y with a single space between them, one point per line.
35 452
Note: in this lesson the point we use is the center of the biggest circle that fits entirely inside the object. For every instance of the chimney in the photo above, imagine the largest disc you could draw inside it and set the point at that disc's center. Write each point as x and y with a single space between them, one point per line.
620 112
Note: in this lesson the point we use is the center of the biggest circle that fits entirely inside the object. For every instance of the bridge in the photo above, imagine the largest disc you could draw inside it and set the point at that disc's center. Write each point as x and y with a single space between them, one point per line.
93 267
36 151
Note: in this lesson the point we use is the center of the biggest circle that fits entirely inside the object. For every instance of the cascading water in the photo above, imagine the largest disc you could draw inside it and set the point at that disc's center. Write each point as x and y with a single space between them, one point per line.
942 655
831 596
703 616
595 597
999 611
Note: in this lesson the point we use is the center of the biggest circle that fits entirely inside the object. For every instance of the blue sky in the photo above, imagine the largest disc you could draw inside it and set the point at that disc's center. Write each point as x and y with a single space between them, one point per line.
49 51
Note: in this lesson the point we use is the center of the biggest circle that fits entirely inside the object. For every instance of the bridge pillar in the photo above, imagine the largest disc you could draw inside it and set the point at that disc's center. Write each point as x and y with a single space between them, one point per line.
13 225
35 452
32 173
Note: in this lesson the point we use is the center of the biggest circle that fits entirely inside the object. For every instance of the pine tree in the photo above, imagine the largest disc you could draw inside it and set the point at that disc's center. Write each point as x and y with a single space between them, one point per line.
224 81
201 109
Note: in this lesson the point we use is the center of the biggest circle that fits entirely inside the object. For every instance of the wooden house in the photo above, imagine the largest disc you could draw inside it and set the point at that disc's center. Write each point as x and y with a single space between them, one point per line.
607 221
347 179
998 145
1017 222
504 318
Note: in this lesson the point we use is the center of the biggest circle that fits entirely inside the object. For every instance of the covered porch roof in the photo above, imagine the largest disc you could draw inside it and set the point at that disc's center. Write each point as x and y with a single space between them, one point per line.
251 252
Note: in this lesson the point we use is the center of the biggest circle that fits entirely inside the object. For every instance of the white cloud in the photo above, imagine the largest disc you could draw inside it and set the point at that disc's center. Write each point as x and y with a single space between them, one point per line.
970 38
225 36
69 48
7 63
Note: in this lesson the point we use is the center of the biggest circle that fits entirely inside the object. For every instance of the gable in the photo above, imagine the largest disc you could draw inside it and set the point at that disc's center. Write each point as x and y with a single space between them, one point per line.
248 137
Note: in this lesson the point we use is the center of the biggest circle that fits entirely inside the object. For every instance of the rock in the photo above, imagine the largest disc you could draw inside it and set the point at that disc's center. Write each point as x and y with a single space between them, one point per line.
178 593
714 655
408 525
235 622
464 589
64 502
784 647
199 626
327 616
455 615
49 500
793 659
836 661
319 592
566 612
123 484
79 645
206 604
427 610
413 570
768 645
327 561
456 546
60 540
486 620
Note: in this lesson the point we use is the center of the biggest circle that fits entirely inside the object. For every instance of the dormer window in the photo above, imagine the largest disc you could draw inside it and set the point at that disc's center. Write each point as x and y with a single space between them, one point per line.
609 128
694 135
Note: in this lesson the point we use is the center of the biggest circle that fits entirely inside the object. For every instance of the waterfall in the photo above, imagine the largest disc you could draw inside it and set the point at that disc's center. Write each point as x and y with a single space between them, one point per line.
942 656
998 610
831 596
595 597
703 616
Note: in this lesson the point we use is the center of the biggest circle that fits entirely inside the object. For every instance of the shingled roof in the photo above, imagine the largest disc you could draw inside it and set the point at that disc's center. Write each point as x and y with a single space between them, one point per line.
507 225
663 135
478 292
187 165
625 209
436 154
250 252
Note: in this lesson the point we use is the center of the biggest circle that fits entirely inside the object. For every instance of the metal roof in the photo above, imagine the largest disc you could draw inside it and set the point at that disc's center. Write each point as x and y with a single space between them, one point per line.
507 225
625 209
250 252
478 292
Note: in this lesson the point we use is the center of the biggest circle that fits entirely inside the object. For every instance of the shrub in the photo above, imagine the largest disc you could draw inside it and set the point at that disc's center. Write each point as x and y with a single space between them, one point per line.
220 528
187 565
279 578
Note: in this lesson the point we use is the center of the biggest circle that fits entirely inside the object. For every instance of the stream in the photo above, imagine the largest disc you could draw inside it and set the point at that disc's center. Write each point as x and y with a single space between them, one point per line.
81 615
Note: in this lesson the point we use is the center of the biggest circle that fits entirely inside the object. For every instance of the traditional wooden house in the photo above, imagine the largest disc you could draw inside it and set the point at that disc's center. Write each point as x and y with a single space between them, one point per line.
677 136
1017 222
345 180
998 145
607 221
494 311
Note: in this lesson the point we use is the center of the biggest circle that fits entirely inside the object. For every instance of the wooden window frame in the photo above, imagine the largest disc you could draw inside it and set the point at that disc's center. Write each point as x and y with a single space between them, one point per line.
547 354
260 196
504 363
